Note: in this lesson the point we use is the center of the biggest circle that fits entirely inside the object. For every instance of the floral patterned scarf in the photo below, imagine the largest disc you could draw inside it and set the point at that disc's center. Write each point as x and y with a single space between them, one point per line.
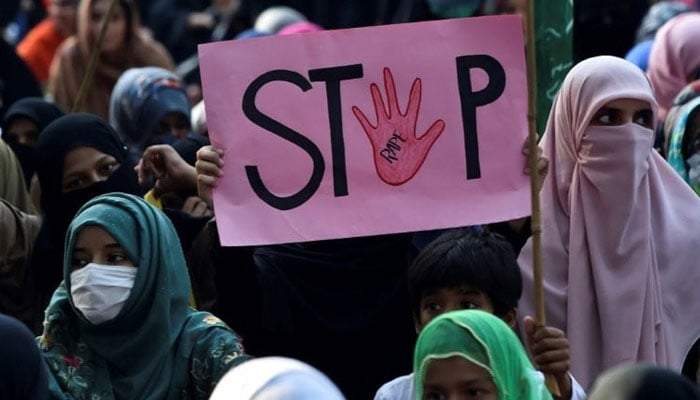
156 347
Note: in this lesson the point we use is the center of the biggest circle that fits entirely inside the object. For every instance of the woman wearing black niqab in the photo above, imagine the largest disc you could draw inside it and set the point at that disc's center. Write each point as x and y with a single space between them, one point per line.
40 113
62 196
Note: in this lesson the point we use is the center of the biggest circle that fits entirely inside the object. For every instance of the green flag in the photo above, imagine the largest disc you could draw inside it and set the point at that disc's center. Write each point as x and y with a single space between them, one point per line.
554 27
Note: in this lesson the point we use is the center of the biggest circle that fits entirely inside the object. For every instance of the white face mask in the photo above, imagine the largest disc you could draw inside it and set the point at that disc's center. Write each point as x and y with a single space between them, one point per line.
100 291
694 169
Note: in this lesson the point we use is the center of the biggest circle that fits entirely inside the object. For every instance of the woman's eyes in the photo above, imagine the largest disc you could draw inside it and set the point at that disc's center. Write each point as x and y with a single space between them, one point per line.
465 305
432 307
476 393
78 263
107 169
469 305
109 259
97 18
434 396
116 258
613 117
604 119
644 118
84 178
73 184
607 116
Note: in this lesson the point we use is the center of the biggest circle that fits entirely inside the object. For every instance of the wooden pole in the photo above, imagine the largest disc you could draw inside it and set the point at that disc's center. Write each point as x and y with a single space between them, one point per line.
94 57
534 179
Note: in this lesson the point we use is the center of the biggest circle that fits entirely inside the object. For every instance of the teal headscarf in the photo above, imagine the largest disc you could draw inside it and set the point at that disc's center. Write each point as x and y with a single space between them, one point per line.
156 347
484 340
675 143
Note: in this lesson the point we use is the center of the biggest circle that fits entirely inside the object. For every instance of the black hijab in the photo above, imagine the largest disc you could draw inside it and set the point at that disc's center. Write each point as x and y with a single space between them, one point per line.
39 111
187 147
326 301
58 208
22 371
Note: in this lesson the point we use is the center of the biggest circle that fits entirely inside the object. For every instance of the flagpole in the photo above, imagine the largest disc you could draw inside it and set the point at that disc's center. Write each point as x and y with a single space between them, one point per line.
535 219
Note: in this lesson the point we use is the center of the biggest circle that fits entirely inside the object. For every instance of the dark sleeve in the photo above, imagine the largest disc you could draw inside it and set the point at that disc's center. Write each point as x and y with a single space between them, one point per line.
516 239
201 270
186 226
224 280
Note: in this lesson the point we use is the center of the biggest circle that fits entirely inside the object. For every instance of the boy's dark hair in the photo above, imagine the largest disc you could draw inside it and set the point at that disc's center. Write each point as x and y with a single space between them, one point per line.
485 261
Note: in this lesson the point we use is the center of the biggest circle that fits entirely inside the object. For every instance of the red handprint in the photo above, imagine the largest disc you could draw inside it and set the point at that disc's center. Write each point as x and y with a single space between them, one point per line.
398 153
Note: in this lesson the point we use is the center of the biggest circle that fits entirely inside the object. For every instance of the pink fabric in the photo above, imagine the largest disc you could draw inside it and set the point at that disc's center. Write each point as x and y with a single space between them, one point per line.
300 27
620 232
674 55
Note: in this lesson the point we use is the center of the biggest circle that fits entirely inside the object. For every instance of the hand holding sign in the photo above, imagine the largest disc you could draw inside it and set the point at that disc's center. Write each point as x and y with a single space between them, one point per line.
398 153
550 352
209 162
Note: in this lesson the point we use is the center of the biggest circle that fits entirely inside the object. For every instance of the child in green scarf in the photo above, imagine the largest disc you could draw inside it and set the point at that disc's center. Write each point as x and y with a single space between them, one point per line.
473 354
463 270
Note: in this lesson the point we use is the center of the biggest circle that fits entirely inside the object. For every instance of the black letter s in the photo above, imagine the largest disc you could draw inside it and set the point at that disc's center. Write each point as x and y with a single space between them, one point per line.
251 111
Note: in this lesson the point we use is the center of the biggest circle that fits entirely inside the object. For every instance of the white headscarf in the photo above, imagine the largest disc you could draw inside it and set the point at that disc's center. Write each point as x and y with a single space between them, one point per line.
273 378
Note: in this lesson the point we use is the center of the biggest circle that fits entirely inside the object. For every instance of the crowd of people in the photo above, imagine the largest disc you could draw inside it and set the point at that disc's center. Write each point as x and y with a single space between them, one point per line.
114 284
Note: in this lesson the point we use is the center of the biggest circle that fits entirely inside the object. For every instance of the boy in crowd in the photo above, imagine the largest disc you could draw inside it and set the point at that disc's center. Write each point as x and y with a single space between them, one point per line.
466 270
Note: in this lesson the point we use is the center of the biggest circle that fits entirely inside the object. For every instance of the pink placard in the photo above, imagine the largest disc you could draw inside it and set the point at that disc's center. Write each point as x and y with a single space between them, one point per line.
368 131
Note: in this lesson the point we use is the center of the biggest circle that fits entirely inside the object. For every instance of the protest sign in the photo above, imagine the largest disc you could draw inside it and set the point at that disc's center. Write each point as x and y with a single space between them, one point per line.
368 131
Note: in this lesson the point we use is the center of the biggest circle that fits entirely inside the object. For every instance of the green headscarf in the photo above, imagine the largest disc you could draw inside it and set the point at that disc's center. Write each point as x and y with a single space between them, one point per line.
484 340
156 347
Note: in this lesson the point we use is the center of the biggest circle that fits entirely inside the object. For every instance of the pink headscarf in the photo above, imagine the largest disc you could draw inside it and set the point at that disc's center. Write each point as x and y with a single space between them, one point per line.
300 27
620 231
674 55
